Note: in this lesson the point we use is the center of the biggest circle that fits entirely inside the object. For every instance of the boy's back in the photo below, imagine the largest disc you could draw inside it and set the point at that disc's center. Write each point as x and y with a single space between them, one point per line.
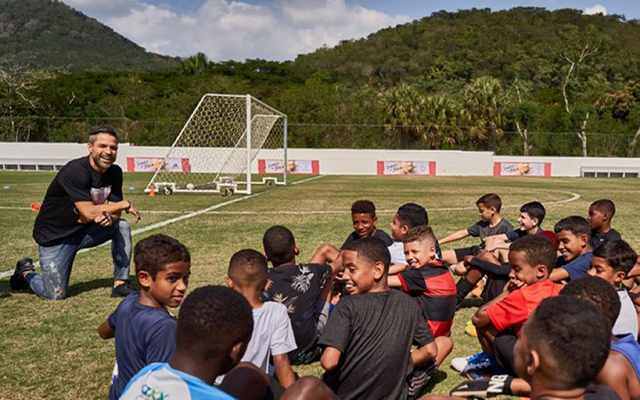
143 335
374 332
272 335
298 287
482 228
436 293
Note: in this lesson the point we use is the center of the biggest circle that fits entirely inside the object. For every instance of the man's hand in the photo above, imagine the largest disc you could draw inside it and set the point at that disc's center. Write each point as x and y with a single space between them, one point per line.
105 219
134 211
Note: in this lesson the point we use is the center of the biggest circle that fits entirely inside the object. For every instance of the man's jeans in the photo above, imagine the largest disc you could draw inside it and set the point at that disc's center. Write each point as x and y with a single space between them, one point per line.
56 261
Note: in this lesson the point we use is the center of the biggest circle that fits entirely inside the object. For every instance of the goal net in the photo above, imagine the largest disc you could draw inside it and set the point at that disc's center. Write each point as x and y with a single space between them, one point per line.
218 148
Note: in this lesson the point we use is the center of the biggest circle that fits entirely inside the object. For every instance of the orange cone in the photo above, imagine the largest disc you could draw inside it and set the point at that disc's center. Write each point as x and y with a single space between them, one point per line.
35 206
152 192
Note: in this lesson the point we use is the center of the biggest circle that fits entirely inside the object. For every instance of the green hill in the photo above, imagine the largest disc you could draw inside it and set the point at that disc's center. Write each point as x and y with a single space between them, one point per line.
47 34
449 47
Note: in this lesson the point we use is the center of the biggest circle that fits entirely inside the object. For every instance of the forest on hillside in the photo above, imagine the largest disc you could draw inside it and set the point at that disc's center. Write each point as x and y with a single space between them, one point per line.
523 81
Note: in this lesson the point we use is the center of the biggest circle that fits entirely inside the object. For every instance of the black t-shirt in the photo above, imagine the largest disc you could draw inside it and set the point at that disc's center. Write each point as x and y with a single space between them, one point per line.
374 332
482 229
599 238
76 181
298 287
516 234
379 233
597 392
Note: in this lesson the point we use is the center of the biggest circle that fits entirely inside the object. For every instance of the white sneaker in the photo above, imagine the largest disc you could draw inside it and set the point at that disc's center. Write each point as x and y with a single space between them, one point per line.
466 364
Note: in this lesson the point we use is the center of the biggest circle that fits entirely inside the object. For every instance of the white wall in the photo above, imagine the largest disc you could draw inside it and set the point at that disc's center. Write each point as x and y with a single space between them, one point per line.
332 161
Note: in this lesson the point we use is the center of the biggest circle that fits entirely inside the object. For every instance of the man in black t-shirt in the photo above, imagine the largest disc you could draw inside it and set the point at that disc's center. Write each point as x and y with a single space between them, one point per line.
81 209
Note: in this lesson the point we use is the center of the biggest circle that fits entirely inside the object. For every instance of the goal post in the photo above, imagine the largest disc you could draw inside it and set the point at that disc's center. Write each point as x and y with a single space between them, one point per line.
221 146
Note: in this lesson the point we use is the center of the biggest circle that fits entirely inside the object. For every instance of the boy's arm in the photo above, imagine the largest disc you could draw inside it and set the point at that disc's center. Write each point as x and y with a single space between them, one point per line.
481 318
424 354
395 269
106 331
328 254
330 358
394 281
283 370
559 274
615 376
461 234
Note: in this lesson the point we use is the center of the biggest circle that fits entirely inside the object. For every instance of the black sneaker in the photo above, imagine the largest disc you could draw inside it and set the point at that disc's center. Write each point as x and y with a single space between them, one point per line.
17 281
123 290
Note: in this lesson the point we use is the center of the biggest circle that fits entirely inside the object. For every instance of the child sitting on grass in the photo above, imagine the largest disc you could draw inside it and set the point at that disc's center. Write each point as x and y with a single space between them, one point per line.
529 223
490 224
214 329
144 330
499 322
369 334
305 289
612 261
430 282
573 244
363 216
272 336
601 213
408 216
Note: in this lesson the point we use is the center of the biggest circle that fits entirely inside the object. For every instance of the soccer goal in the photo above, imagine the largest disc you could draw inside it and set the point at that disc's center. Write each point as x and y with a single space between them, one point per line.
219 147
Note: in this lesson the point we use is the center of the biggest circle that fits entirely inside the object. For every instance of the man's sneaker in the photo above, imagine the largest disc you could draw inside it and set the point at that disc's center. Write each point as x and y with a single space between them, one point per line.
123 290
466 364
486 387
17 281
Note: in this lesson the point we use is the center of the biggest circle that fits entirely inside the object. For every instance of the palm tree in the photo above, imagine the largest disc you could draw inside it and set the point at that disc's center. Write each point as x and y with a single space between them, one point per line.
485 103
440 119
195 64
403 107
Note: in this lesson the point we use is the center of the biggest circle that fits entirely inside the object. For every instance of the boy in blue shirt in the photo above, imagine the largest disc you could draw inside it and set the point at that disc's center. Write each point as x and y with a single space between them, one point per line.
573 234
213 332
145 331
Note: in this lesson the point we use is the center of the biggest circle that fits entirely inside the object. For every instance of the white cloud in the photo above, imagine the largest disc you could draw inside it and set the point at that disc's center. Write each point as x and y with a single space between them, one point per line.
228 29
597 9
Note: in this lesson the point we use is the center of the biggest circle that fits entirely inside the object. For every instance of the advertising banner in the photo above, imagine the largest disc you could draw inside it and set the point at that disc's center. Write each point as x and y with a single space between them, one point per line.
151 164
418 168
301 167
535 169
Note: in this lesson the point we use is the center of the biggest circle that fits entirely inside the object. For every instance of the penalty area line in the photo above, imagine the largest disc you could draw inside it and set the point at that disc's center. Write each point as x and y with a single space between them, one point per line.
170 221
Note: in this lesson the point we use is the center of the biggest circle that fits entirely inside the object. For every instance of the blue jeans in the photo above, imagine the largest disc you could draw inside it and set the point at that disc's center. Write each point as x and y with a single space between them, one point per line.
56 261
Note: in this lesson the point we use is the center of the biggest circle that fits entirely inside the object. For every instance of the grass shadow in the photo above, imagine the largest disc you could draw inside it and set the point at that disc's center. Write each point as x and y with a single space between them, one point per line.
438 376
82 287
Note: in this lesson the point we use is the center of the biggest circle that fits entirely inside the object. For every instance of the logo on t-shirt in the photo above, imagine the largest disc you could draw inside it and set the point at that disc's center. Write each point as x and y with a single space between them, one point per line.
150 393
100 195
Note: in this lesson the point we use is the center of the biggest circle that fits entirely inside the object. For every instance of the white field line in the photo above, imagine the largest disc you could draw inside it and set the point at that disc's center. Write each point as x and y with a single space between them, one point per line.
179 218
211 211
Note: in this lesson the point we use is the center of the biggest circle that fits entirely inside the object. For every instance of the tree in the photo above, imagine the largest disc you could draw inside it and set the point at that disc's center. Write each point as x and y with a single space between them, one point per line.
524 114
195 64
440 119
17 102
485 104
404 107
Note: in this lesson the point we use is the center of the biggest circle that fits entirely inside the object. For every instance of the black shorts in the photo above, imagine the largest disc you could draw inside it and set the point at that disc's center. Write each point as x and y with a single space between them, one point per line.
467 251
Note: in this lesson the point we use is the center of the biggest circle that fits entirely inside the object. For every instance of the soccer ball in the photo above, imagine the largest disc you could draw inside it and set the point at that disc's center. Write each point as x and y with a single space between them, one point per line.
191 186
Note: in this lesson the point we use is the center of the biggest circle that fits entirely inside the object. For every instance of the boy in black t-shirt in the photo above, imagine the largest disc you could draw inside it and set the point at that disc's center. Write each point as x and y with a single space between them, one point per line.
369 334
363 216
305 290
601 213
490 224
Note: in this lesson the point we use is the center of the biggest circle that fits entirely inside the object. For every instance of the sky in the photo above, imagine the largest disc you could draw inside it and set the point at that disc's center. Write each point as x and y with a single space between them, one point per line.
281 29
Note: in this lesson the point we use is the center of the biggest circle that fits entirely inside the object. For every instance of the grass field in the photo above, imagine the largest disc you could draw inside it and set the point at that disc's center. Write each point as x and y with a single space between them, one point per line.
52 350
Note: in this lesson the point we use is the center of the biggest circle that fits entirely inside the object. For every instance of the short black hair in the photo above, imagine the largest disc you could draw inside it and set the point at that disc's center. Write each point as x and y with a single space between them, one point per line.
618 254
279 244
535 209
372 249
575 224
96 130
490 200
598 292
537 249
153 253
412 215
363 207
212 320
573 337
605 205
248 268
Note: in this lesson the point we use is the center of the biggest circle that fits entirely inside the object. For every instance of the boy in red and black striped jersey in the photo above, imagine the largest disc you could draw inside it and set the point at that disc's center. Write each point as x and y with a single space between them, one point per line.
431 283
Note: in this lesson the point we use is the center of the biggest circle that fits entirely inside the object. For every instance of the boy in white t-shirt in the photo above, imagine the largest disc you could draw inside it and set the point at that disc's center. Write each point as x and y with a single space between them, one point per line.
408 216
272 333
